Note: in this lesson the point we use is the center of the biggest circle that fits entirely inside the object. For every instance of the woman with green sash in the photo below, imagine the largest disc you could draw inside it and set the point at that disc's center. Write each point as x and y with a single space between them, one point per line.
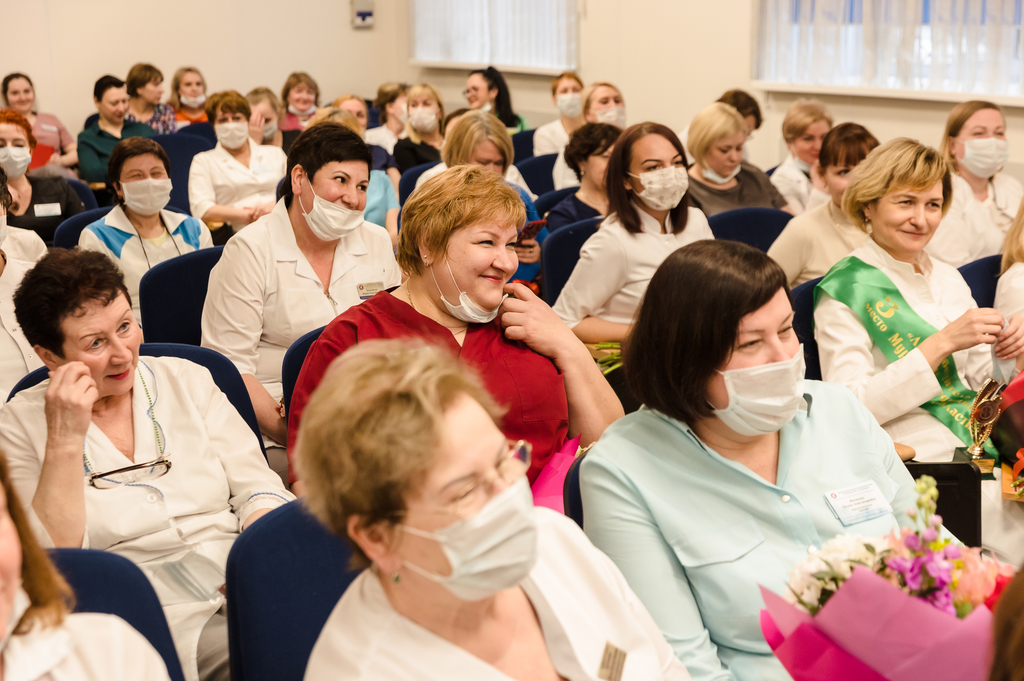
901 329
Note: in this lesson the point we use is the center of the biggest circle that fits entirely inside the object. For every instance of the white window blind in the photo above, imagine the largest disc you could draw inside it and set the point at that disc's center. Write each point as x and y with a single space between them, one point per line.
958 46
524 35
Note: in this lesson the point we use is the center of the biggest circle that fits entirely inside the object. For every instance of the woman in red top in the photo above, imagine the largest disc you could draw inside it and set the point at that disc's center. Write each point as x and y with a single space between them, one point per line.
457 246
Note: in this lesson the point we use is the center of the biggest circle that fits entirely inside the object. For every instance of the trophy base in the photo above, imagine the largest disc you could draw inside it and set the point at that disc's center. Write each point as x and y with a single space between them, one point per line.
980 458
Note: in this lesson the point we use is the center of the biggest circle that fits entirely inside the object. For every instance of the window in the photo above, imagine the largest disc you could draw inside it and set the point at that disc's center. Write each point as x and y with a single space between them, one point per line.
955 46
532 36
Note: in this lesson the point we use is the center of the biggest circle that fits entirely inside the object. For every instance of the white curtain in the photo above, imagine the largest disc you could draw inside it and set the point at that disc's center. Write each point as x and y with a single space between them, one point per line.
964 46
536 34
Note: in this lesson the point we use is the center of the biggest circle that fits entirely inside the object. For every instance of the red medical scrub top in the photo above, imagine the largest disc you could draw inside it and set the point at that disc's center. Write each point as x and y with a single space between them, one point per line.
528 385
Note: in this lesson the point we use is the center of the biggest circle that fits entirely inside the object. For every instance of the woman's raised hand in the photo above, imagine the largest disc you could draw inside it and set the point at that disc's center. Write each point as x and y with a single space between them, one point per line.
69 400
1010 341
529 319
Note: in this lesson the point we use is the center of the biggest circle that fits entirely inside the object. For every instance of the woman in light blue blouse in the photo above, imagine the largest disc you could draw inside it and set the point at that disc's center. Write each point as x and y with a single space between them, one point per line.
736 466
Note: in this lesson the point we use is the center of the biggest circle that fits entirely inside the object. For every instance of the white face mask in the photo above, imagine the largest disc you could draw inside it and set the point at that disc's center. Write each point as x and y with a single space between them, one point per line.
615 115
486 108
423 119
663 188
147 197
764 398
15 160
19 607
466 310
710 174
403 114
3 228
984 157
308 112
192 102
570 104
490 552
232 135
269 130
329 221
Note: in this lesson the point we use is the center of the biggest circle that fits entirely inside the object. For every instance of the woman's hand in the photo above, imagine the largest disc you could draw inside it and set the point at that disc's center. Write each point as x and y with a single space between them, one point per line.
974 327
528 252
256 122
1010 341
527 318
68 404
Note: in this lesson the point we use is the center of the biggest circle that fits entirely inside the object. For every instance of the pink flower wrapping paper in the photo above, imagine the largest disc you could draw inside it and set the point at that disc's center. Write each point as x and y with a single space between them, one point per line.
547 488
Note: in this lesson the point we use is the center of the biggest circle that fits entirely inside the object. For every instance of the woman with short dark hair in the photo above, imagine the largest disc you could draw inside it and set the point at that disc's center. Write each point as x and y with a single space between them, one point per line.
97 141
145 90
587 155
719 484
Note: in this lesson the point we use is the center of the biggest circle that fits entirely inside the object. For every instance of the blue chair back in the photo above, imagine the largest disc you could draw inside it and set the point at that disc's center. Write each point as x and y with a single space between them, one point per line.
70 229
522 145
107 583
546 202
91 120
172 294
372 115
537 171
280 188
85 194
204 130
224 373
407 183
294 358
982 275
285 574
803 324
572 499
771 170
181 149
757 227
560 253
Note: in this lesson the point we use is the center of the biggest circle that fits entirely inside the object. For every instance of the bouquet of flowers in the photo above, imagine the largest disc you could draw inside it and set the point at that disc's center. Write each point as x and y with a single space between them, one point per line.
910 605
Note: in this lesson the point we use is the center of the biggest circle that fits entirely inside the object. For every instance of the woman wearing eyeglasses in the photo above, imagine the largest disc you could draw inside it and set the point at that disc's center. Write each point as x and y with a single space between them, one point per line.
77 443
465 579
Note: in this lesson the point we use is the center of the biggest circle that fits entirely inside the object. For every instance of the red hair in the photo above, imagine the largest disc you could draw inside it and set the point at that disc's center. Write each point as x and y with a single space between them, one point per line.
15 118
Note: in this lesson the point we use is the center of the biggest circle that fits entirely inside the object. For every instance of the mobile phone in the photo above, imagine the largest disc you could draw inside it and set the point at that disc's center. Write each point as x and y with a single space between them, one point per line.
530 231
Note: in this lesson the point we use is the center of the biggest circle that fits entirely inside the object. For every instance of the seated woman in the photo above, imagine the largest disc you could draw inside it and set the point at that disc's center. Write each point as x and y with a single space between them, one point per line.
747 107
487 91
806 123
139 233
19 94
456 246
97 141
985 200
172 473
552 137
145 90
916 357
424 134
301 95
40 203
391 102
587 155
435 466
236 181
1010 287
188 95
267 113
356 107
41 639
480 139
819 238
723 181
296 269
718 485
602 103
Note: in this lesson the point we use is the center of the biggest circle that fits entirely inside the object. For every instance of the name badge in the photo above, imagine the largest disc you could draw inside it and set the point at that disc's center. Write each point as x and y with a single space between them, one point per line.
613 661
369 289
47 210
857 503
49 128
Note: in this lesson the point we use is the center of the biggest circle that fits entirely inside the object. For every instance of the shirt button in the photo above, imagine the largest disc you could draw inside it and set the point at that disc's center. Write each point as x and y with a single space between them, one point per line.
152 498
786 498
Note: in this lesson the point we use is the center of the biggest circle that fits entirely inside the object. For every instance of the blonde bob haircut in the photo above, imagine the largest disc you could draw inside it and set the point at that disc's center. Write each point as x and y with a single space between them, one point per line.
174 98
371 430
958 118
802 114
423 90
1013 246
473 128
588 92
341 99
710 125
336 115
898 165
459 197
264 94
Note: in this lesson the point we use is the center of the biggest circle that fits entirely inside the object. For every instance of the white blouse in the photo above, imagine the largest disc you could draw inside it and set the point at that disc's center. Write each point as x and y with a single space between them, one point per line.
23 244
615 266
17 357
815 241
973 229
797 188
550 138
383 137
1010 291
217 179
562 175
218 478
582 603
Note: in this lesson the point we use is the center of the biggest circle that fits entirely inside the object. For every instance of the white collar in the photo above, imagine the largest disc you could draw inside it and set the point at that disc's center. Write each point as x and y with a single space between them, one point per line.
898 265
286 248
31 655
118 219
648 224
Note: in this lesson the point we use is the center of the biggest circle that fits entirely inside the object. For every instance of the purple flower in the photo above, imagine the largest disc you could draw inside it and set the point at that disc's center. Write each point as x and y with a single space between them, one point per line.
929 535
909 569
943 600
912 542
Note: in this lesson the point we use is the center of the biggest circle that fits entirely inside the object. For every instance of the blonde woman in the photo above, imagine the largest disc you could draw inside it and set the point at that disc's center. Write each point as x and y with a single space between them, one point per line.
267 114
355 106
722 180
602 103
901 330
804 127
985 201
424 135
188 96
391 102
1010 288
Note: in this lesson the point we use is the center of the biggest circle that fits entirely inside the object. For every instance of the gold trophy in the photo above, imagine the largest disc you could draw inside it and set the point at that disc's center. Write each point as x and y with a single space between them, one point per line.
985 412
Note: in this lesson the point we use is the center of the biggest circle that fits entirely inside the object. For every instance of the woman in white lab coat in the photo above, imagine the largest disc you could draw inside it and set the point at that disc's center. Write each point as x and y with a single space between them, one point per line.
39 639
465 579
806 123
172 473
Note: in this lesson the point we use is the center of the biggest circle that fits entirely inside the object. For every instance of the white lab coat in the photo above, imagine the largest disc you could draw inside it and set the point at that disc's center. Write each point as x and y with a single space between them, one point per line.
973 229
17 357
217 480
550 138
84 647
383 137
512 175
562 175
581 599
23 244
1010 291
797 188
217 179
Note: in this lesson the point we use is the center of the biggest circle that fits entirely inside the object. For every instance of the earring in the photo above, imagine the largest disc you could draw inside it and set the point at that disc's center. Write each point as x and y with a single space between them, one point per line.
395 577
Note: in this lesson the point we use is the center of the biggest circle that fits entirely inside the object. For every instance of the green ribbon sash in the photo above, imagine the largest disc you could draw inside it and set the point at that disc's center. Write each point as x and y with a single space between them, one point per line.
896 329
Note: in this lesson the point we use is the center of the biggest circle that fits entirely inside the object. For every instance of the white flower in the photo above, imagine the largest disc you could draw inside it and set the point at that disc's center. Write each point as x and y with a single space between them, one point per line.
827 568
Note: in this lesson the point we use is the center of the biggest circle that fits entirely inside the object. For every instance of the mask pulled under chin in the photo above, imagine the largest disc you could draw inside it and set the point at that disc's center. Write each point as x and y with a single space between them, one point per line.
19 607
329 221
764 398
466 311
710 174
308 112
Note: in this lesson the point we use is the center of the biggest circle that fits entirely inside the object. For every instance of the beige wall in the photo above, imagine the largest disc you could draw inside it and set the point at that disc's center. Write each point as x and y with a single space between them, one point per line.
670 57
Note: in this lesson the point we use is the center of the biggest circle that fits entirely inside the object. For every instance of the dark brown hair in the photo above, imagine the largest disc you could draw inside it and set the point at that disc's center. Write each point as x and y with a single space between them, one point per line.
1008 633
131 147
320 144
744 103
589 140
847 144
620 199
11 77
228 101
141 75
688 320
